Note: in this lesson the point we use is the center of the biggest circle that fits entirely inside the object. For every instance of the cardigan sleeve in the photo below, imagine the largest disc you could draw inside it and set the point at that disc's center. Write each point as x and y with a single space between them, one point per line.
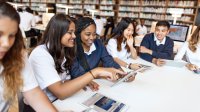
146 43
107 59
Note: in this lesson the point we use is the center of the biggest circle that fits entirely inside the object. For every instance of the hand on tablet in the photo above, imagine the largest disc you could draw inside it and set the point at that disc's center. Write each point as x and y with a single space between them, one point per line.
130 79
135 66
191 66
108 73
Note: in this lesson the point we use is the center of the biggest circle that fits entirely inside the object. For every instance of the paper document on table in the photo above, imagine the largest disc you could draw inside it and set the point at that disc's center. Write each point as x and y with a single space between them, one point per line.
174 63
101 103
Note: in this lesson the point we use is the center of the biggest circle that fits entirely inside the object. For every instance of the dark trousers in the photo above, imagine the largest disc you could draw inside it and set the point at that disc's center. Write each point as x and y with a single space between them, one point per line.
34 35
28 108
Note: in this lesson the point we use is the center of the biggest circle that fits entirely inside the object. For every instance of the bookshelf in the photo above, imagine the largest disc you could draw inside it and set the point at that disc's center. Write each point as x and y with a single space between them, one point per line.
154 10
150 10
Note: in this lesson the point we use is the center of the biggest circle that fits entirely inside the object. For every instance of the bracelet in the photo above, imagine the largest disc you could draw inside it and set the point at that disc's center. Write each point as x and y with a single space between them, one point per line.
92 74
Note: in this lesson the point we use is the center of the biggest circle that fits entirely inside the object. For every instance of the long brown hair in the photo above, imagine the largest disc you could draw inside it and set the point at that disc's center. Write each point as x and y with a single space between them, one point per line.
118 32
194 40
56 29
12 62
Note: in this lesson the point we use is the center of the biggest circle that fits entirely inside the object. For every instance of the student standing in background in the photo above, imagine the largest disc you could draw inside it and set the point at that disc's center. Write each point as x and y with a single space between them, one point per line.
27 20
141 29
99 25
109 24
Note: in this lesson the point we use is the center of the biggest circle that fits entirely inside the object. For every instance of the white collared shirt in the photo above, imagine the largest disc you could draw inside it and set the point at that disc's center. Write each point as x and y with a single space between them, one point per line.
191 57
142 30
99 26
29 83
112 50
27 20
92 48
44 69
158 41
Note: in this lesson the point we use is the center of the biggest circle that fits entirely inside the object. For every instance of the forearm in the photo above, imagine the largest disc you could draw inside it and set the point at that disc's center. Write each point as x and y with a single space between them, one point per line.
154 60
146 57
36 95
68 88
162 55
133 52
120 62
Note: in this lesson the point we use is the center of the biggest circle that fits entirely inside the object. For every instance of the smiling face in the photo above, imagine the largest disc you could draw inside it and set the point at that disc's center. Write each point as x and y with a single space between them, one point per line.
128 31
68 40
88 35
161 32
8 30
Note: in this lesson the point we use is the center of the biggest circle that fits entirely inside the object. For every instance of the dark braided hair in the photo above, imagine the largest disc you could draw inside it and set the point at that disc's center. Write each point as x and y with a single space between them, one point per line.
81 24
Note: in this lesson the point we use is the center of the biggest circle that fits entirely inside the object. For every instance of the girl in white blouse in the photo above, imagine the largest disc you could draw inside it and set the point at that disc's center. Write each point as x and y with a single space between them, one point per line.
121 45
191 50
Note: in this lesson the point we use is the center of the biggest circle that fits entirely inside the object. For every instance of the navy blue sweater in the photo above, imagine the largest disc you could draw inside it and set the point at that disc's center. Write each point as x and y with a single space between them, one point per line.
97 56
162 51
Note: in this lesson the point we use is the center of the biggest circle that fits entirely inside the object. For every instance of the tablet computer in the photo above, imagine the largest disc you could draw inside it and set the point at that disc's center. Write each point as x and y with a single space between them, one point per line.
101 103
131 73
174 63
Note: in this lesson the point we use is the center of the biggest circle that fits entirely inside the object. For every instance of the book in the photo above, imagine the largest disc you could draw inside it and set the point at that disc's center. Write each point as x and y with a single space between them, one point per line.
101 103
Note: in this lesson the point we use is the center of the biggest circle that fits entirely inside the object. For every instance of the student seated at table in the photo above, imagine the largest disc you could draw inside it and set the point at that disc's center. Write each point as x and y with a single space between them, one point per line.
52 59
191 50
121 45
157 46
16 75
90 51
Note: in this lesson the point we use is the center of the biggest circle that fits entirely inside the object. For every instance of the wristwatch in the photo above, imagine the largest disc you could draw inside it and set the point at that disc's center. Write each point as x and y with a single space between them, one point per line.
128 66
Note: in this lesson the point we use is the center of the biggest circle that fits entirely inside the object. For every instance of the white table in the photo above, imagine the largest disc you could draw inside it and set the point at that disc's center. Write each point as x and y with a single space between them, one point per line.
161 89
40 27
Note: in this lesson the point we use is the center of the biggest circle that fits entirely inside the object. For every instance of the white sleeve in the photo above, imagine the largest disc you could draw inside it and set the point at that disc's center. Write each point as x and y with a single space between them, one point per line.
112 47
145 30
43 67
181 51
137 27
33 21
28 77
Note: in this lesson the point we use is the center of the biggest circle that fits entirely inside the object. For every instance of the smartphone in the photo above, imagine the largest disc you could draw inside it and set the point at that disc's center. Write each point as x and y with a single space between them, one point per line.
197 71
